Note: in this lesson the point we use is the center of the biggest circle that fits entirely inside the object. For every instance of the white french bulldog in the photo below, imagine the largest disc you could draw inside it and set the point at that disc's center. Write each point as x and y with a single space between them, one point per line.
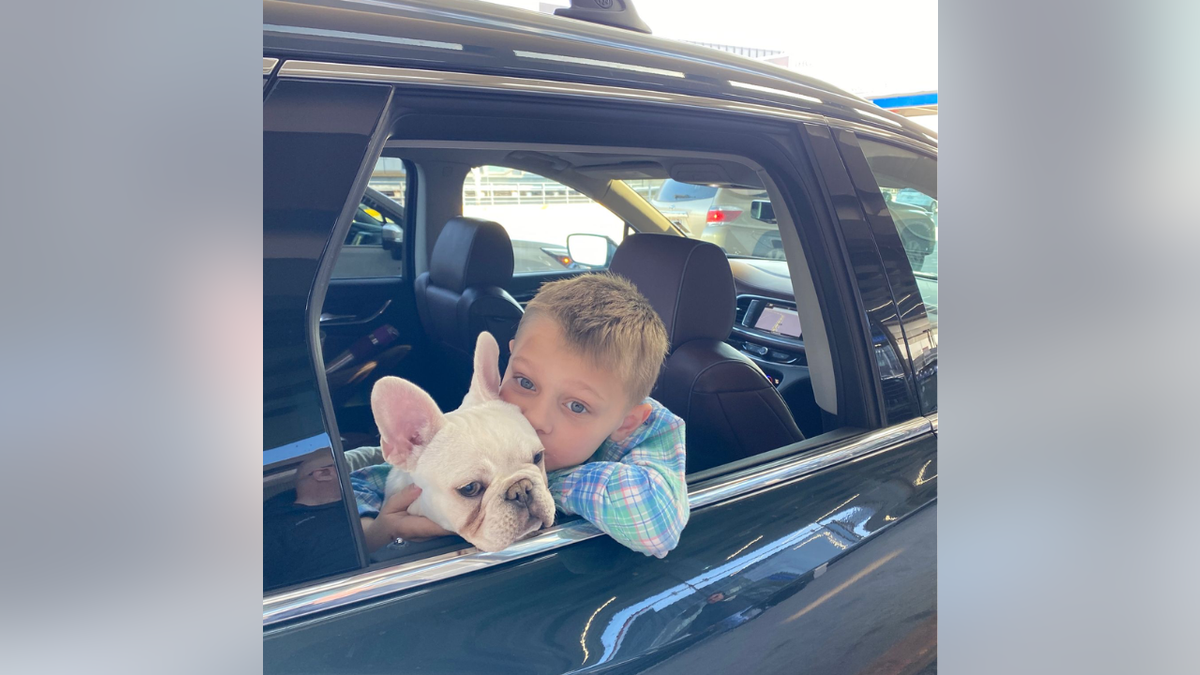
480 468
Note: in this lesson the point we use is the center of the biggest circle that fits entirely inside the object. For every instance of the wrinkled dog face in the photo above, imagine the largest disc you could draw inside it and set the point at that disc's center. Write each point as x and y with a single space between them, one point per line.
480 468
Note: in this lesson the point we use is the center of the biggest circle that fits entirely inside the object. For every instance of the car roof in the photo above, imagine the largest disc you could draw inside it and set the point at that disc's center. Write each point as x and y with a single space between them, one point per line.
485 38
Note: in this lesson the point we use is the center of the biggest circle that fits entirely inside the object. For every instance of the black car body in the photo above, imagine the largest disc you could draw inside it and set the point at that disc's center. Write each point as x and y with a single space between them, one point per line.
815 556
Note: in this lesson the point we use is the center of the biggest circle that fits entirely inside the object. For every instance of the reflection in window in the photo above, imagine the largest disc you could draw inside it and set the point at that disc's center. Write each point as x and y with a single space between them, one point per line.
306 532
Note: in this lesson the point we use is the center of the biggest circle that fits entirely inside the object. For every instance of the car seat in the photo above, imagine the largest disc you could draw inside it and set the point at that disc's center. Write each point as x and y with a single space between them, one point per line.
730 408
463 294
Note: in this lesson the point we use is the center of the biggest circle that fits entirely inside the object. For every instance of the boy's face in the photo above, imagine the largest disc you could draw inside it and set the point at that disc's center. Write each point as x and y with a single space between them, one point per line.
571 403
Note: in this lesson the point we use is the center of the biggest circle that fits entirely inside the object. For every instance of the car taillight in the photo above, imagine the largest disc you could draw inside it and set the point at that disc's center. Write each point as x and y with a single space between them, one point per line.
721 214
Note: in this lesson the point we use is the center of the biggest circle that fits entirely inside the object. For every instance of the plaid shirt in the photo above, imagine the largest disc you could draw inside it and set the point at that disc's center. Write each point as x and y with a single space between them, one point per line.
633 490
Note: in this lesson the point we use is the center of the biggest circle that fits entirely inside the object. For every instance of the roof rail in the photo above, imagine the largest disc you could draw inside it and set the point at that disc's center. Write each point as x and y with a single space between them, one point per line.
616 13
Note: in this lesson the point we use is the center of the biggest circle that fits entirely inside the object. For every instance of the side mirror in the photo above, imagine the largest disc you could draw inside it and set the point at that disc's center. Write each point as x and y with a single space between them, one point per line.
592 250
761 209
393 237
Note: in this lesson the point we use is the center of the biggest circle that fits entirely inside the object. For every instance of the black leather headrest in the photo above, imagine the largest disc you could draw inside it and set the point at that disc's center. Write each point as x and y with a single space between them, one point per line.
471 252
686 280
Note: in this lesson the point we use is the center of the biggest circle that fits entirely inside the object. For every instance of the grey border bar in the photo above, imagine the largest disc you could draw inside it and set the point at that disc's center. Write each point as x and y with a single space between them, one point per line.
375 583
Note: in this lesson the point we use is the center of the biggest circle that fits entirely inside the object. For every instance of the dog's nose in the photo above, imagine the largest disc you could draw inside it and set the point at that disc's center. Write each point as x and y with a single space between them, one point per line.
520 491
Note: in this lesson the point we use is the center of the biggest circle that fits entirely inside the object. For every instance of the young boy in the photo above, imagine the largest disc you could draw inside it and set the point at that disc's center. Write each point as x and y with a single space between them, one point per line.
585 357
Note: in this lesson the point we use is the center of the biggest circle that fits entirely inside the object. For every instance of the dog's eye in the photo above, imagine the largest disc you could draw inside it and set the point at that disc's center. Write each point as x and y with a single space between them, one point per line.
537 459
472 489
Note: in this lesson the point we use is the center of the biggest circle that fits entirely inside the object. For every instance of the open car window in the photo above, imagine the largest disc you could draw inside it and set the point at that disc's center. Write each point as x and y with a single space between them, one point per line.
538 214
739 220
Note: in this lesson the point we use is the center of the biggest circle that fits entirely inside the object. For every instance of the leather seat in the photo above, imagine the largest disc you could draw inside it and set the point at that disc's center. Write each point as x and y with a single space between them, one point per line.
461 295
730 408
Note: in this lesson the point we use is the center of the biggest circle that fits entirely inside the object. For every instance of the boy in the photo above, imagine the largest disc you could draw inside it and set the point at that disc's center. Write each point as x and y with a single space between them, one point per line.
585 357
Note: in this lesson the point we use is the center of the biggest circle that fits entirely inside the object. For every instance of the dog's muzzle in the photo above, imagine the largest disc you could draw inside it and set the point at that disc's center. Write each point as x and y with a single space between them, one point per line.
521 491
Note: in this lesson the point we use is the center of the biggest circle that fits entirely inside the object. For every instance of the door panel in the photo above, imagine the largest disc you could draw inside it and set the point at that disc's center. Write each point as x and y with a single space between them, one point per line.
735 576
369 328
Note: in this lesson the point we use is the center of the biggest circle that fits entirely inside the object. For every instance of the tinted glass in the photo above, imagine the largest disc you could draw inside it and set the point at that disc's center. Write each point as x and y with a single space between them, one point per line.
908 181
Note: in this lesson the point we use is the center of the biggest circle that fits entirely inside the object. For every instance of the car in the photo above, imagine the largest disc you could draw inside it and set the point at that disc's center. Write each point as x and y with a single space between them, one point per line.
724 216
427 166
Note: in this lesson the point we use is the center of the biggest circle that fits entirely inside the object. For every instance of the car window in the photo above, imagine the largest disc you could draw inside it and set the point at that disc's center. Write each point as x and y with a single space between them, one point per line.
741 221
374 246
908 181
306 530
538 214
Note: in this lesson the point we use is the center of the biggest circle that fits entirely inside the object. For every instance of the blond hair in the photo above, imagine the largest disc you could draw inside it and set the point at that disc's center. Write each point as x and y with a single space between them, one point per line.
606 319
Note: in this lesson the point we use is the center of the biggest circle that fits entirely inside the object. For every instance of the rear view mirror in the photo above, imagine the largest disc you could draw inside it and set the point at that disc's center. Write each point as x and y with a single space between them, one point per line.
761 209
592 250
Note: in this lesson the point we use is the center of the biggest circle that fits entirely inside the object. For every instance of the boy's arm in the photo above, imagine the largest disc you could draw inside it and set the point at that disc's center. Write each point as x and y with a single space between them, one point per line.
641 501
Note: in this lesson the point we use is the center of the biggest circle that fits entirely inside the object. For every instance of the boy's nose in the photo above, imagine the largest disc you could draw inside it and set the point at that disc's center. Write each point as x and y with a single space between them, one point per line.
538 416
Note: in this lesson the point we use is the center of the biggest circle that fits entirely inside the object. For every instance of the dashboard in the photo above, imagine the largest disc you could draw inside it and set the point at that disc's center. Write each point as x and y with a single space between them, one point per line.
767 327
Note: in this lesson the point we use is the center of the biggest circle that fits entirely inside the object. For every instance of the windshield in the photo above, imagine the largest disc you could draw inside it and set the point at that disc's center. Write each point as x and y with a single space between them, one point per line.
739 220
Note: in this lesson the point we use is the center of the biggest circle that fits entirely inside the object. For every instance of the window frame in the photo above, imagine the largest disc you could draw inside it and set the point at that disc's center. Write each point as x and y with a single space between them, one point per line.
918 335
792 461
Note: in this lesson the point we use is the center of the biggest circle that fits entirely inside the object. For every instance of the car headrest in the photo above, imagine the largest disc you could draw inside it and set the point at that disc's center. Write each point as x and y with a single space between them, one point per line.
686 280
471 252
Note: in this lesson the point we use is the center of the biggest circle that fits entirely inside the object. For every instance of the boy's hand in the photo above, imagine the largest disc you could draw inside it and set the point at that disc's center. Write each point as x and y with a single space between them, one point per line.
394 521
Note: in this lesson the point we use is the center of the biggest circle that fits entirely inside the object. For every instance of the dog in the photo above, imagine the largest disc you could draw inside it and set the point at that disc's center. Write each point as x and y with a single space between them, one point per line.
481 468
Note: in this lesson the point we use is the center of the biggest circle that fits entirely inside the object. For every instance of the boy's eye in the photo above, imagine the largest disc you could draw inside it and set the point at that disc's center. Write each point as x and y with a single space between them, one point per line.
577 407
525 382
537 459
472 489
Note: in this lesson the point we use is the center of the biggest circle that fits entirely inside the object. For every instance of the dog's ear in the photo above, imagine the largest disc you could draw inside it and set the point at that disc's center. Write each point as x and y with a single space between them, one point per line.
407 418
485 382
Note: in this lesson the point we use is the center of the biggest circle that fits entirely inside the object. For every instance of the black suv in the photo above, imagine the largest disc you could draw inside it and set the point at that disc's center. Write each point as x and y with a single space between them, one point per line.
806 374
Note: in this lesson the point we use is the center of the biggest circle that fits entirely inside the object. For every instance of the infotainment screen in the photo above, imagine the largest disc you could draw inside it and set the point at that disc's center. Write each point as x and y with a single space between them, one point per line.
779 320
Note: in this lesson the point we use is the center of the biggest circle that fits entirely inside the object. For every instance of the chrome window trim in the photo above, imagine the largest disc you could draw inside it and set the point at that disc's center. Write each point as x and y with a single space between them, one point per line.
375 583
320 70
269 65
932 422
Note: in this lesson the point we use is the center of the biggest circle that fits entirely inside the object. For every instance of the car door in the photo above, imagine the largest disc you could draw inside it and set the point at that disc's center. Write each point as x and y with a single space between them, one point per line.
819 554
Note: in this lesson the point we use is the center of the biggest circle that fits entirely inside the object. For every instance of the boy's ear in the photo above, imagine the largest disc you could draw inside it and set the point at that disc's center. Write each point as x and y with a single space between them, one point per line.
407 419
633 419
485 381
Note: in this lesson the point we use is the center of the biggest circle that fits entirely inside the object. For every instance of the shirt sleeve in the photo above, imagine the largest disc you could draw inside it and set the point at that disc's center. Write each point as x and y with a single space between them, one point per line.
368 484
360 458
641 499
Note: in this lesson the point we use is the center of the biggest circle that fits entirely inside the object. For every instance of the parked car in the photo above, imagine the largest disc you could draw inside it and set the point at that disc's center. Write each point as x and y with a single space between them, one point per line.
723 216
806 377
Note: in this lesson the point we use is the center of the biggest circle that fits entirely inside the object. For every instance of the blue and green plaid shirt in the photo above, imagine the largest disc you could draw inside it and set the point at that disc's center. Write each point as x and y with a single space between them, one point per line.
633 490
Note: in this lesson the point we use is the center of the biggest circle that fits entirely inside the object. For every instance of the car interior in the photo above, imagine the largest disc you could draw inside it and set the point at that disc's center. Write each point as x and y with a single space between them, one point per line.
748 381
